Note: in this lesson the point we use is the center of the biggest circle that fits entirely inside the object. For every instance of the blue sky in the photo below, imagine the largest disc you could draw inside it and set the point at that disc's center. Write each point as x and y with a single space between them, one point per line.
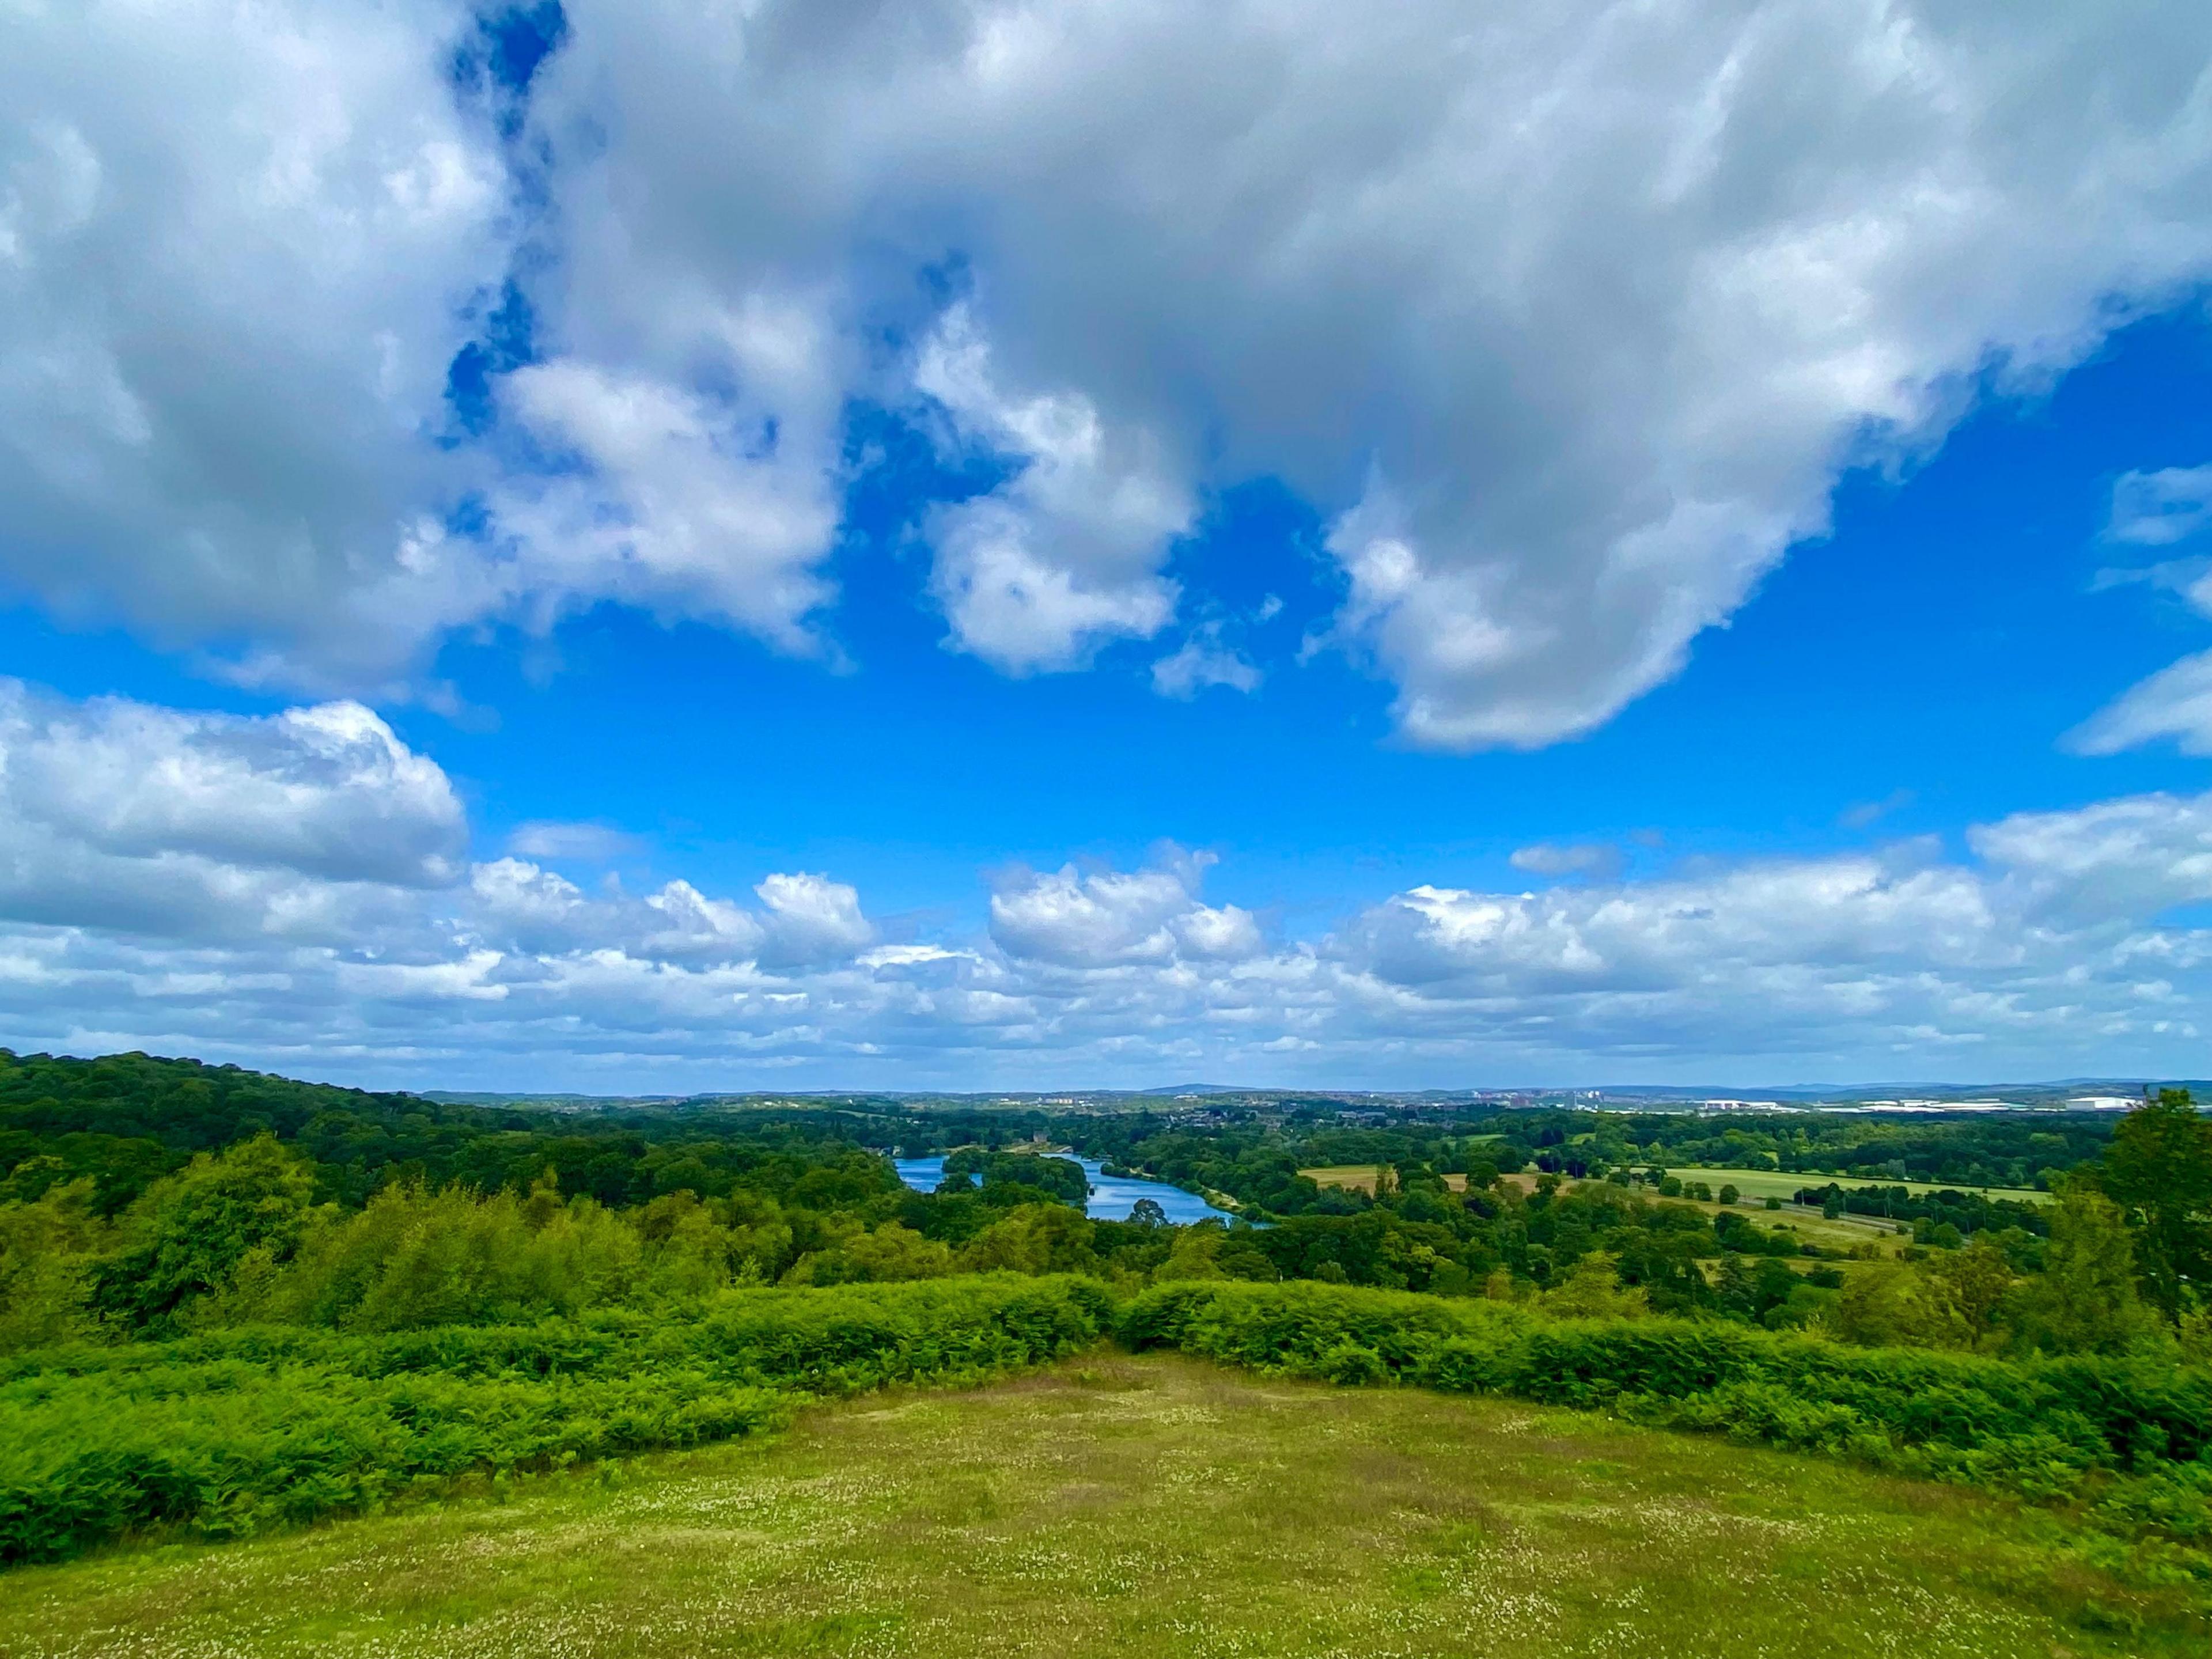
1632 672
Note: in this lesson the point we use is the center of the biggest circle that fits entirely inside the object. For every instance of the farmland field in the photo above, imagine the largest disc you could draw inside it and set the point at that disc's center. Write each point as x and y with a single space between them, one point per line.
1762 1184
1153 1505
1361 1178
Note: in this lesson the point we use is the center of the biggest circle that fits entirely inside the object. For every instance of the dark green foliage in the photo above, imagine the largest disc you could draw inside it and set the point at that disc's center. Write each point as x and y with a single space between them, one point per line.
2159 1171
230 1433
1964 1213
200 1225
1033 1174
126 1120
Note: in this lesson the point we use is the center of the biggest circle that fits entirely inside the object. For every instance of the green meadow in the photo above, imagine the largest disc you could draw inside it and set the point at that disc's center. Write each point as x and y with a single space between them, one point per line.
1117 1504
1762 1184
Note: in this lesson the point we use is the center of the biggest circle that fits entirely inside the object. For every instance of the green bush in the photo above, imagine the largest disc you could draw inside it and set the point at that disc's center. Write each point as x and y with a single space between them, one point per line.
230 1432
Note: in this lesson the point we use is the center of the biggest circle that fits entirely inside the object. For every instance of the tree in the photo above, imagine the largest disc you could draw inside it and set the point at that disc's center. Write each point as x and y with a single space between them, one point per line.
1728 1194
194 1228
1036 1238
2084 1301
1593 1290
46 1250
1966 1288
2159 1171
1147 1212
893 1252
1885 1305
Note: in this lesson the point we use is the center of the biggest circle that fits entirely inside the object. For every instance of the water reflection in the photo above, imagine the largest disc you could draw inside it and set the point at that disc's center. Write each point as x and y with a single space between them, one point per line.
1112 1197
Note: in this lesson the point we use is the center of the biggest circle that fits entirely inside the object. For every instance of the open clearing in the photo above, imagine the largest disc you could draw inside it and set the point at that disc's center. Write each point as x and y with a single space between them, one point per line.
1361 1178
1772 1183
1148 1505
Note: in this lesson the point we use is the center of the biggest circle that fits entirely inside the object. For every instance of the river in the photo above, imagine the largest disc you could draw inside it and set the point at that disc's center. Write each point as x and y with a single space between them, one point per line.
1111 1196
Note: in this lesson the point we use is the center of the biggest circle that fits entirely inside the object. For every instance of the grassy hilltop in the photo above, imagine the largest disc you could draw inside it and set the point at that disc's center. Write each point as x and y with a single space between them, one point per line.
1155 1504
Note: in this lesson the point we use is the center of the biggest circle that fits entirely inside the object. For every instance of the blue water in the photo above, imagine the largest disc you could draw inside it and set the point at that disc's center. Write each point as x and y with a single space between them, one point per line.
1112 1197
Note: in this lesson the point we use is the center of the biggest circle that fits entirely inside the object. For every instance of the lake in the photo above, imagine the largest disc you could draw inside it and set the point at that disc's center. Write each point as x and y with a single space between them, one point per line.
1111 1196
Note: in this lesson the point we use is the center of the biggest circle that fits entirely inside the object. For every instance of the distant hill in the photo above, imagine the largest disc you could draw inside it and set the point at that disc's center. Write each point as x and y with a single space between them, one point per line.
184 1105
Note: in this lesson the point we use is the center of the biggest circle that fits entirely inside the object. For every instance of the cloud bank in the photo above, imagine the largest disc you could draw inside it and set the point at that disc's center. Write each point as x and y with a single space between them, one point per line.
329 917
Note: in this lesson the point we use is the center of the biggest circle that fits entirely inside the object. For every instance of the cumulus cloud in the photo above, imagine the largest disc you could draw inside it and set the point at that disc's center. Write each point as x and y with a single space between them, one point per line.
802 920
811 920
239 247
327 791
1565 320
1109 918
1065 553
300 825
679 501
2138 856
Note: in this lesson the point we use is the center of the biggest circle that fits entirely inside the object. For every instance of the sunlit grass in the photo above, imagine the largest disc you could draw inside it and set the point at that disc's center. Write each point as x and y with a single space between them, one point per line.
1361 1178
1156 1505
1782 1183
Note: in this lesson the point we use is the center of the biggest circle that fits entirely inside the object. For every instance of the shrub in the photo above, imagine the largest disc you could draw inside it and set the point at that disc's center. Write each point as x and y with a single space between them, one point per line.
231 1432
2035 1427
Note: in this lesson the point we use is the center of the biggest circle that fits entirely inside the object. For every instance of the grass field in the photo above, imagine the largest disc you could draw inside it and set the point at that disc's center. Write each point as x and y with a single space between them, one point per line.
1762 1184
1361 1177
1843 1233
1117 1506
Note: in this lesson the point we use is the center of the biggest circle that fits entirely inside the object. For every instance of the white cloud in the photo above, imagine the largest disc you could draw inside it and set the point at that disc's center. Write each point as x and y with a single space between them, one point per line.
1065 553
238 248
2157 509
1201 662
1564 319
328 921
327 791
1077 921
812 921
1554 858
590 843
682 502
1218 933
2136 856
2175 703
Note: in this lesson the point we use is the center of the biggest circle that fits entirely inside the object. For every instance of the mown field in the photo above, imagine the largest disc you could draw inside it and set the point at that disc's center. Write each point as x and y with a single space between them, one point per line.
1155 1504
1762 1184
1361 1178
